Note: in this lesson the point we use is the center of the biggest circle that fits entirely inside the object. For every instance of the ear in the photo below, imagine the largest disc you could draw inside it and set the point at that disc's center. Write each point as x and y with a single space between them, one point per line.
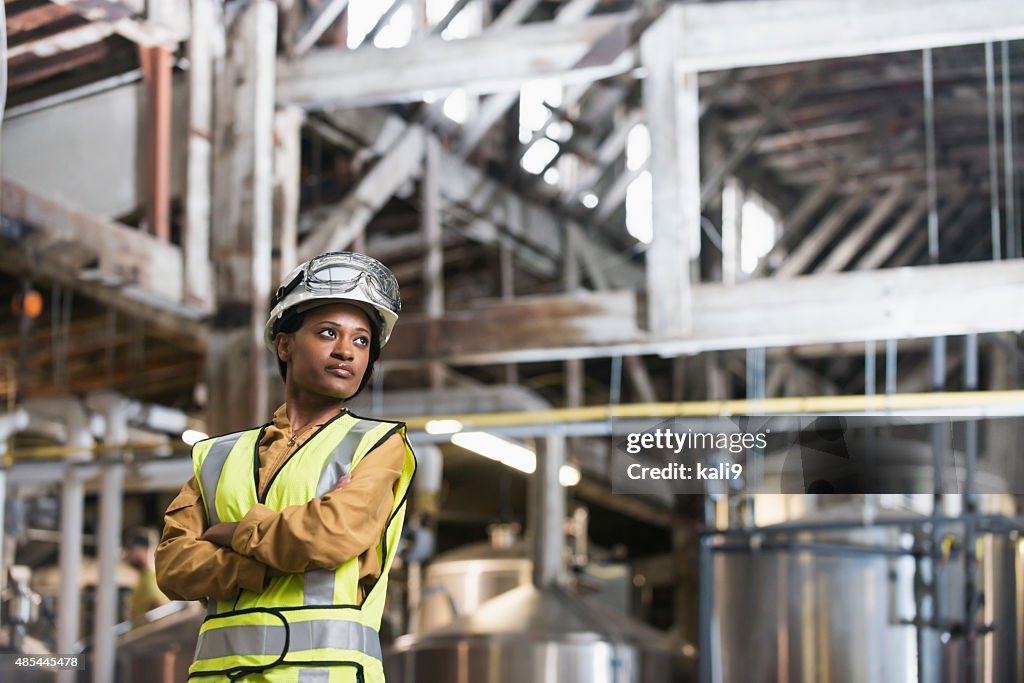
283 344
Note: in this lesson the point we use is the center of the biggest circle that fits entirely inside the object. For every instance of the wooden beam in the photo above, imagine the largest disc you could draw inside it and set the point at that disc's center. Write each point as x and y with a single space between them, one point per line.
180 325
316 23
195 239
65 41
844 252
813 243
726 35
770 118
495 106
489 63
671 103
165 30
608 151
243 214
798 217
492 208
91 247
816 309
888 242
348 219
527 322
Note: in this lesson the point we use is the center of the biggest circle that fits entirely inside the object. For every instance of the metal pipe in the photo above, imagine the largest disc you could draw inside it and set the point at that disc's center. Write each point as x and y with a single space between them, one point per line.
890 366
9 424
993 153
819 548
929 127
157 62
706 605
933 401
829 525
111 504
615 382
1013 245
932 596
72 511
549 513
972 598
869 368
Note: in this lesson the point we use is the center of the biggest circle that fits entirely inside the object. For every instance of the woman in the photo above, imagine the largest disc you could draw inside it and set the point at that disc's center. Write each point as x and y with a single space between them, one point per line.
289 529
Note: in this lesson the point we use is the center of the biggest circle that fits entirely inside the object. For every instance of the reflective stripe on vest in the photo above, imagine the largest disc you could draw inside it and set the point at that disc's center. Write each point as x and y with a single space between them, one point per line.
209 472
269 640
314 676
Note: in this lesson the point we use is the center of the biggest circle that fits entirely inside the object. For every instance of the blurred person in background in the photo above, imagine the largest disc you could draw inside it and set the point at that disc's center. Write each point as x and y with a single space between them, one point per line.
139 551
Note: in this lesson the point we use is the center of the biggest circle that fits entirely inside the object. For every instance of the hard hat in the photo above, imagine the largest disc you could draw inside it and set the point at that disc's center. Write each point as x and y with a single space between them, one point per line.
344 277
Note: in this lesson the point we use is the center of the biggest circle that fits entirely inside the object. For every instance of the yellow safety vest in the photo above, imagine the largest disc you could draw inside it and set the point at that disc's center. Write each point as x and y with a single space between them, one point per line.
309 627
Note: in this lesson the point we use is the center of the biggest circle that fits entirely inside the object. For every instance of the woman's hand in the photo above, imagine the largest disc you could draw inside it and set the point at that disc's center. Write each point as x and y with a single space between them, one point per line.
340 484
220 534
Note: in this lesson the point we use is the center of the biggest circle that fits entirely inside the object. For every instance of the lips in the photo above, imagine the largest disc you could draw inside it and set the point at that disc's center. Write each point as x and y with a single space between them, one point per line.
343 370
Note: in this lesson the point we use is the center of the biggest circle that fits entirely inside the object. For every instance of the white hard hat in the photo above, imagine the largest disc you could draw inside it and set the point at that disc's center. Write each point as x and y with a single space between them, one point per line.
344 277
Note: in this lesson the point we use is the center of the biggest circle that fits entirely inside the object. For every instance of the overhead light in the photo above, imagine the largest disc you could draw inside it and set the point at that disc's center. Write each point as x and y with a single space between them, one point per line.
490 446
568 475
443 427
192 436
589 200
511 454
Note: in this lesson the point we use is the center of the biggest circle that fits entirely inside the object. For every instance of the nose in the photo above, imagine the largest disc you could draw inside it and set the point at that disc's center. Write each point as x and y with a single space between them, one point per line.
343 349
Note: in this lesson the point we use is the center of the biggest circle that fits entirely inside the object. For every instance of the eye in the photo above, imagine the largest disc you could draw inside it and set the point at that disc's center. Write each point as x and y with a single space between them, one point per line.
331 334
363 340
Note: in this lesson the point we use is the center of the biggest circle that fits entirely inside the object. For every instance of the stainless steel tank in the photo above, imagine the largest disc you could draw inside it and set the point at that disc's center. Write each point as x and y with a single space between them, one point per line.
535 635
459 581
794 616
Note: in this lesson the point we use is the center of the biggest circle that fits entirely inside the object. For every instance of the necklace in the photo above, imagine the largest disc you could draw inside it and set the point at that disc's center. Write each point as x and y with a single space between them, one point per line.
296 435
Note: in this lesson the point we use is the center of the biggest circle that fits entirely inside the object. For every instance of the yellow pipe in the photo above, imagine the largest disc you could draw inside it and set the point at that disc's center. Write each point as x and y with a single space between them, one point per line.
54 452
768 406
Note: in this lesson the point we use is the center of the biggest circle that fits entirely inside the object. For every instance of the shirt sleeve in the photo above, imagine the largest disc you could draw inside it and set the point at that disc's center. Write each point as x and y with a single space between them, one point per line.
188 568
327 532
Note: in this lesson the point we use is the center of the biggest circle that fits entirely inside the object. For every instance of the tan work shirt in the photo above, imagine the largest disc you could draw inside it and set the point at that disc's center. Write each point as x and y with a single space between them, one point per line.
325 532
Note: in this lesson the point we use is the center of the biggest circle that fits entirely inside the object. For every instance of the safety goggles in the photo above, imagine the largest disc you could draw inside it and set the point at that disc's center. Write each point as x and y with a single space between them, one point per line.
340 273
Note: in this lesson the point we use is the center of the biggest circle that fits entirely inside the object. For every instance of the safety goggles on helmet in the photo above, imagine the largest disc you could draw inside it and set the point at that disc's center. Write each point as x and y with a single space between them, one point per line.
338 273
339 276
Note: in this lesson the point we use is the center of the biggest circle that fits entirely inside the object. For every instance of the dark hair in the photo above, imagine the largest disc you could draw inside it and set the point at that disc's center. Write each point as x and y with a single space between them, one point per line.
291 322
140 537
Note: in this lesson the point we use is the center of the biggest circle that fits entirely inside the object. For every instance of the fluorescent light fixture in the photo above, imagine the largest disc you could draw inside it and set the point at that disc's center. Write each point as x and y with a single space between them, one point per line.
568 475
191 436
510 454
443 427
495 448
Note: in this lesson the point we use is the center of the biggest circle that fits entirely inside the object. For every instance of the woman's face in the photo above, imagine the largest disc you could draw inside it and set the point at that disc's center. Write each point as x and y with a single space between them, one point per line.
330 352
